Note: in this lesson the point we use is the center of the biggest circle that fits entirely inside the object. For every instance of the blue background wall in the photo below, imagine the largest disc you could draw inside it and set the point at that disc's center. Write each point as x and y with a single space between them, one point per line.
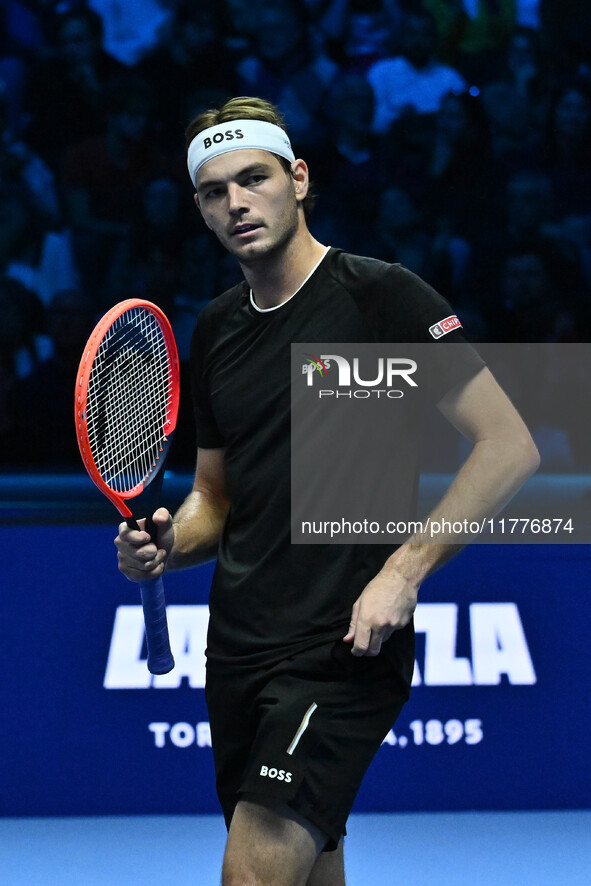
71 746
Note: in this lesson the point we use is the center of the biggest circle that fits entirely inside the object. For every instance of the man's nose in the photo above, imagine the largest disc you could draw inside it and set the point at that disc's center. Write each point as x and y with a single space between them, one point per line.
236 198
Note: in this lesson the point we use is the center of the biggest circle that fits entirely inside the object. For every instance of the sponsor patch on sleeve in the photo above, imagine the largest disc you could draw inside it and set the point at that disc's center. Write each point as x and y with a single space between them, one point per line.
444 326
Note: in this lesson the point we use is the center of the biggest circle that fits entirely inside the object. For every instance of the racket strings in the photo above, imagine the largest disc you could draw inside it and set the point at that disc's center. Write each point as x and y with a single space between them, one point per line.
130 417
129 397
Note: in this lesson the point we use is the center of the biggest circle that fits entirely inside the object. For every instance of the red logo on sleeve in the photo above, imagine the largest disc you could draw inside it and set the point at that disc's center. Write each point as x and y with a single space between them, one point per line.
444 326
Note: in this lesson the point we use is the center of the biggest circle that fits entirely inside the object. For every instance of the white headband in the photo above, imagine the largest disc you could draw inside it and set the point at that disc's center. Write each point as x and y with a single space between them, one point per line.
234 136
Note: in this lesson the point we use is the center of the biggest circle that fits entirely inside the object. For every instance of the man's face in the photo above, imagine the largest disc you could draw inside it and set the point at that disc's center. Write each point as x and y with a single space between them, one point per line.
352 104
278 33
247 199
529 200
419 40
571 115
525 281
77 45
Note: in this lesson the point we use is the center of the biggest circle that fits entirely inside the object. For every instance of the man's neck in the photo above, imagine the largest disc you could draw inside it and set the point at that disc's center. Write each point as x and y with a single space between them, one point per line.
277 277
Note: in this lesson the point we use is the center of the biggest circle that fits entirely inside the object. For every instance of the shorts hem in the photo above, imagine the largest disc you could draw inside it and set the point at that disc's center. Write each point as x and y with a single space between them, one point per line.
332 833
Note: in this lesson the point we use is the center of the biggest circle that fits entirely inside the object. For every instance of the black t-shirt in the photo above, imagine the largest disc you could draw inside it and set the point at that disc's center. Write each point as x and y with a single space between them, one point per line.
270 598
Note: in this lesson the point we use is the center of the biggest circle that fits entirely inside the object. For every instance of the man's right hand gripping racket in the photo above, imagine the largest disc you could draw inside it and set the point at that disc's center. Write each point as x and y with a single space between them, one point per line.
126 405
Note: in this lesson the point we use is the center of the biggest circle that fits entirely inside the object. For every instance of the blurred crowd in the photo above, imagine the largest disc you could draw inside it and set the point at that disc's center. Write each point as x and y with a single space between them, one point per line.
453 136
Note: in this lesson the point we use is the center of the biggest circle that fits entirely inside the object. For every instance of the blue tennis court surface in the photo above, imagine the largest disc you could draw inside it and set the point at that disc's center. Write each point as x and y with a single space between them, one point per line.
425 849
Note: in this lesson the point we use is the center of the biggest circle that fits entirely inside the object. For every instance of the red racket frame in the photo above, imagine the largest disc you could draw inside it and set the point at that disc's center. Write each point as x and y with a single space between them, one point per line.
81 396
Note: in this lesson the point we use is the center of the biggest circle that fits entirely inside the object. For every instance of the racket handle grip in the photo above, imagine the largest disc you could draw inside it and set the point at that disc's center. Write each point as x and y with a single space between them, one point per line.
160 658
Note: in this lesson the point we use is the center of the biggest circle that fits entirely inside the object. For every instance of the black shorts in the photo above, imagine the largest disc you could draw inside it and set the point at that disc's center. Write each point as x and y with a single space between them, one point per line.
303 731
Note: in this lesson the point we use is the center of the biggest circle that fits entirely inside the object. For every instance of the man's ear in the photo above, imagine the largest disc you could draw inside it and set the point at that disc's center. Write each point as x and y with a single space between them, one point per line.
301 178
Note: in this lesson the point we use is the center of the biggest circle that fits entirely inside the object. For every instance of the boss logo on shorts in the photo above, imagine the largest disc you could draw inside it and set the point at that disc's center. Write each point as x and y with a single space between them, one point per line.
279 774
444 326
227 136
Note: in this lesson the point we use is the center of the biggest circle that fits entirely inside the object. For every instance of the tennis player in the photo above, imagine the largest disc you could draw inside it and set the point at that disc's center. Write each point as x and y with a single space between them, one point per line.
310 648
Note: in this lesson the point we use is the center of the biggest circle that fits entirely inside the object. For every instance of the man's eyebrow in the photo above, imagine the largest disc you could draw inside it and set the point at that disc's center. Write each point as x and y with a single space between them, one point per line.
246 170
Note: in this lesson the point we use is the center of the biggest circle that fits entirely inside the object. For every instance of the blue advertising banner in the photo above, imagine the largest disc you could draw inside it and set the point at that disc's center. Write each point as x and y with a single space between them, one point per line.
499 718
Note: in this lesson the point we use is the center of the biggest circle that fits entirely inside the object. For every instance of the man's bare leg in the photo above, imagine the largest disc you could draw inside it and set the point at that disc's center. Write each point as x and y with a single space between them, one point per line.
329 869
271 845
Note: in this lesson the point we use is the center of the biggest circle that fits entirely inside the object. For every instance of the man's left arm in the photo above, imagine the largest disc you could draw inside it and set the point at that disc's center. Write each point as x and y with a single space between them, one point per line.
502 458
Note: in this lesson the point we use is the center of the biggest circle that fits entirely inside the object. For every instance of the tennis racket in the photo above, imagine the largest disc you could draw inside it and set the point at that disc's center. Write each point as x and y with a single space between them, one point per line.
126 405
